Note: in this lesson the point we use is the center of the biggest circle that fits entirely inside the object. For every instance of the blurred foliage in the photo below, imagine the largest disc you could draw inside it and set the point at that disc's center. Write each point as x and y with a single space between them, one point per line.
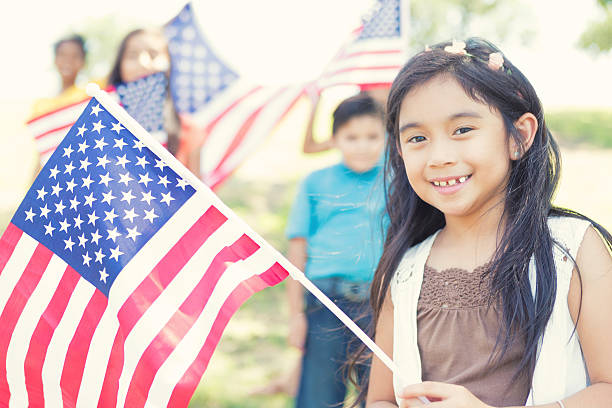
598 37
102 37
591 128
499 21
263 206
253 349
431 21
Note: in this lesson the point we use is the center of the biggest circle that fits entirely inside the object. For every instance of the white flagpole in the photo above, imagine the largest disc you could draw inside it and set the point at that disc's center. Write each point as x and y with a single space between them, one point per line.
137 130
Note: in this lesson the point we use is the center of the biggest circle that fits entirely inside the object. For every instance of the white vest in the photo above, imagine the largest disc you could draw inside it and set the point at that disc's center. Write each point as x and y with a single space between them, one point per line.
560 370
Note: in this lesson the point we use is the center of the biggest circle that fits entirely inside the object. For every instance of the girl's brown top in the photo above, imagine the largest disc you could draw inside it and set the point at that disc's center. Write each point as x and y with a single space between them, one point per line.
457 331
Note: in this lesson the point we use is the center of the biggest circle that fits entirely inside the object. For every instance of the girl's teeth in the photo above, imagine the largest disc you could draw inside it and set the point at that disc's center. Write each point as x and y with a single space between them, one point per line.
451 182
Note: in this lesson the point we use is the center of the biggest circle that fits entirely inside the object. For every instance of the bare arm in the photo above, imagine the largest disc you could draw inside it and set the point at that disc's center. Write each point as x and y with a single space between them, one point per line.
295 294
380 389
310 145
595 323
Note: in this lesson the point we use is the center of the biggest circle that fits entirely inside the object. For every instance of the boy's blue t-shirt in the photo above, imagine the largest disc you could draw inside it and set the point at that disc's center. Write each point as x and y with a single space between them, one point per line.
340 213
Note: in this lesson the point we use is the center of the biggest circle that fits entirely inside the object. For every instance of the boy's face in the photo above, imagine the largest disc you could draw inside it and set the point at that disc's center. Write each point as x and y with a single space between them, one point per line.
361 141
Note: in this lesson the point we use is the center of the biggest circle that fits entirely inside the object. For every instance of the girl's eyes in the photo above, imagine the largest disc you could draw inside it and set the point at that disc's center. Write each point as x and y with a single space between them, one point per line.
462 130
416 139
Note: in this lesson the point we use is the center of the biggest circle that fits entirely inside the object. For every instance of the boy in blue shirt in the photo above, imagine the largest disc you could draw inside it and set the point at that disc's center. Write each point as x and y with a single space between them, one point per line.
335 236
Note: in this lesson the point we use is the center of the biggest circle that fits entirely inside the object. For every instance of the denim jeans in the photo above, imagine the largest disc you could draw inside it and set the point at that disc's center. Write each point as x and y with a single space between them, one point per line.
322 383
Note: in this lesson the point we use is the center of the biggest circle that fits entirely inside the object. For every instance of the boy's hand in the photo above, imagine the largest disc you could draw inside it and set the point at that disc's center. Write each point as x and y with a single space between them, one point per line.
297 331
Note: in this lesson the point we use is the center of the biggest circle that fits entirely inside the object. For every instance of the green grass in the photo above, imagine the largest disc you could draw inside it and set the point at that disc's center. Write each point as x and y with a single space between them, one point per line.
253 349
585 128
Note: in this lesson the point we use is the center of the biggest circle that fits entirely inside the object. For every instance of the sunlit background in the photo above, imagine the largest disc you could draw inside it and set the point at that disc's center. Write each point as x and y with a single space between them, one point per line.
285 41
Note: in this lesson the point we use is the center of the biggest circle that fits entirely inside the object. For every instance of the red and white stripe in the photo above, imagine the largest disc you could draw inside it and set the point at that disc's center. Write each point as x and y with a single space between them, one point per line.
369 62
65 344
48 129
236 122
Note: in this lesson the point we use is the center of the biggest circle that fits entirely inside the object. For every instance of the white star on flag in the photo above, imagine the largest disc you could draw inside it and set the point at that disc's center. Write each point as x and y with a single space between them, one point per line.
116 127
119 143
95 110
82 130
97 127
30 215
84 164
68 151
103 275
54 172
103 161
74 203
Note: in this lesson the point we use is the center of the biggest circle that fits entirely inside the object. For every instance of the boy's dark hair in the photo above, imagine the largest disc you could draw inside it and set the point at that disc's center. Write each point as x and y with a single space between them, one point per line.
75 38
358 105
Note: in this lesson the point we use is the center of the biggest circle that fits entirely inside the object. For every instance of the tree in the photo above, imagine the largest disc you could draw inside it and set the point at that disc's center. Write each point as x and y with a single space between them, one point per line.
598 37
499 21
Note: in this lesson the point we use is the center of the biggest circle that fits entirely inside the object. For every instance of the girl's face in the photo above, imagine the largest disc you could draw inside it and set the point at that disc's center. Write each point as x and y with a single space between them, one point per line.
455 150
145 53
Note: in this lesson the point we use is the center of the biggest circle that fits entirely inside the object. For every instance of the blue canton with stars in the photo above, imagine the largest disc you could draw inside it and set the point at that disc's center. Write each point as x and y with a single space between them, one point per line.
384 22
197 74
144 99
100 198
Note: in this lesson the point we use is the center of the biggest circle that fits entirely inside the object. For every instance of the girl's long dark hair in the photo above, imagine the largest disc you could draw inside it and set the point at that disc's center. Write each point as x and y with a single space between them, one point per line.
114 78
528 198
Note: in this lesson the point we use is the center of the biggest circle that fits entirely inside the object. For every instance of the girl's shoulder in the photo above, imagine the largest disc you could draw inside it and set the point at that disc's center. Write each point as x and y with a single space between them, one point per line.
568 232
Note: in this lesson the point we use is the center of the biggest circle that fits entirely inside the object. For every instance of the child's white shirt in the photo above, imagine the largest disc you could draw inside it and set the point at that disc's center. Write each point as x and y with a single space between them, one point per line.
560 369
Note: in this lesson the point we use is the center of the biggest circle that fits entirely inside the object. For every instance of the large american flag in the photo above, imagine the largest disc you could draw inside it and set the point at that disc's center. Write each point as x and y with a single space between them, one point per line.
375 51
119 272
234 116
143 99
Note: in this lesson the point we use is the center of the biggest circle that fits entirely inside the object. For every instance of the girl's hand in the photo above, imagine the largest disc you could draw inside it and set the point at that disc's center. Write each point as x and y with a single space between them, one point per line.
442 395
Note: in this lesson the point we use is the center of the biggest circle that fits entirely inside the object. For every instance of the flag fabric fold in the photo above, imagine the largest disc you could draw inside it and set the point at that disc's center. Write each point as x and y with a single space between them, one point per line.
233 115
118 273
142 98
374 52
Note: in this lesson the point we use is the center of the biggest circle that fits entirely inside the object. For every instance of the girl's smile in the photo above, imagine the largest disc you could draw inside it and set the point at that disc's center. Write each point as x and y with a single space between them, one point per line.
449 185
454 148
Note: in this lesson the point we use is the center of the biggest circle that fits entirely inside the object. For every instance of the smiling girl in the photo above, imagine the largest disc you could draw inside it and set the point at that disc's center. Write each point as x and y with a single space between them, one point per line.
486 294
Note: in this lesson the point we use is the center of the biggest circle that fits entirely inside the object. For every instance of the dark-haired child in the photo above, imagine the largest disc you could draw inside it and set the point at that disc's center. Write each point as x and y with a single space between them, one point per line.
69 58
143 52
486 294
335 237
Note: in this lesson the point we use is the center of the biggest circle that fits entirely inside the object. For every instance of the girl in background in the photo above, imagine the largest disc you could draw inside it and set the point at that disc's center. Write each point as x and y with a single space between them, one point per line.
486 295
144 52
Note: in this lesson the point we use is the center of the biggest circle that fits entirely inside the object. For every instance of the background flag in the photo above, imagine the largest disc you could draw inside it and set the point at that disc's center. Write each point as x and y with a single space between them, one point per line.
143 99
118 273
375 51
232 115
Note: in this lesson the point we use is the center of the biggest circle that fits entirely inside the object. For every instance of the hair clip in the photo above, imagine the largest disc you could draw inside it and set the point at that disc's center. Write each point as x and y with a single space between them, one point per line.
458 47
496 61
